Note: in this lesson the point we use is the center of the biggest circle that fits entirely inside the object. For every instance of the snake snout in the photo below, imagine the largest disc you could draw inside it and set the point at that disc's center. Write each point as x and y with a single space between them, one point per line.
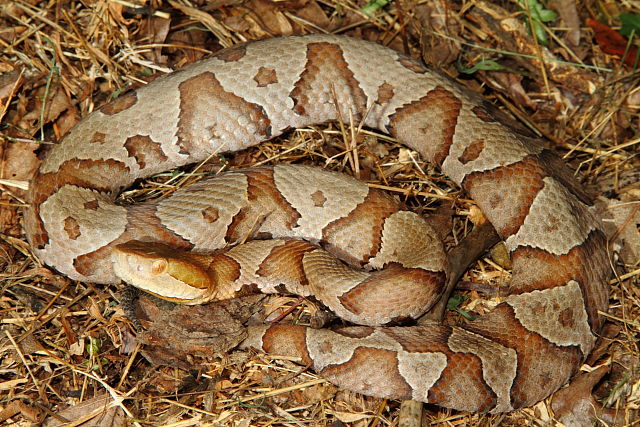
153 273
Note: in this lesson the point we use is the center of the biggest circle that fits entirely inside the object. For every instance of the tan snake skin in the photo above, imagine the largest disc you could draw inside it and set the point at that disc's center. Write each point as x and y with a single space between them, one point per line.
514 356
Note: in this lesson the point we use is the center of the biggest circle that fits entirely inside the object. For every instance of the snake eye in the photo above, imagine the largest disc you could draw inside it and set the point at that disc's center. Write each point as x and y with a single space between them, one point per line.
160 266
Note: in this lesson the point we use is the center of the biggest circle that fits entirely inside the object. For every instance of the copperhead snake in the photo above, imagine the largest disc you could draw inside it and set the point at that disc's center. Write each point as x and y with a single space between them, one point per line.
512 357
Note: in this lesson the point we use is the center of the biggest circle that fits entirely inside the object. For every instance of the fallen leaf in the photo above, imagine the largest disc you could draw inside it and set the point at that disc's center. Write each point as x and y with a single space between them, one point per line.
10 82
575 406
19 407
436 18
313 13
55 104
270 17
613 43
348 417
155 30
19 161
178 332
95 412
621 222
570 19
8 385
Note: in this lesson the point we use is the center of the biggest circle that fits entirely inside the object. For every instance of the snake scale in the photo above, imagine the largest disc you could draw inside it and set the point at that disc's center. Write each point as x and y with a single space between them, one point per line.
527 347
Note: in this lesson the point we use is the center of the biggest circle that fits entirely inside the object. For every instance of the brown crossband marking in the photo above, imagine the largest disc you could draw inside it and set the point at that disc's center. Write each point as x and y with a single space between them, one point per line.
472 151
437 114
241 222
90 264
382 374
121 103
461 385
326 63
551 372
225 269
287 340
145 151
266 76
72 228
372 296
285 263
208 112
538 269
146 226
264 200
262 189
507 192
361 229
232 54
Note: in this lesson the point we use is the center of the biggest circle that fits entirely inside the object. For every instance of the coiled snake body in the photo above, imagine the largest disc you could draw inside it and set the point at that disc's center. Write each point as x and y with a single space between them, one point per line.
519 353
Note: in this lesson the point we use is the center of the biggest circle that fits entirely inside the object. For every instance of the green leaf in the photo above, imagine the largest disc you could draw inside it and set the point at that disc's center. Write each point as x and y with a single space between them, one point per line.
373 6
453 304
539 31
539 15
93 346
486 65
630 24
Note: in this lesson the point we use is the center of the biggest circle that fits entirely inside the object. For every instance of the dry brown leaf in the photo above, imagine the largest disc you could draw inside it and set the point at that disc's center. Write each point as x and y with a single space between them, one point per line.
175 334
65 122
437 18
56 103
270 17
312 12
570 19
574 405
207 20
10 82
95 412
622 222
19 161
19 407
350 417
154 32
511 84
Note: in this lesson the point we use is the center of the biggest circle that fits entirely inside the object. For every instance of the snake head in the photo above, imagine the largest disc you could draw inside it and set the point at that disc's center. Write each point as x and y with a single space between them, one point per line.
163 271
